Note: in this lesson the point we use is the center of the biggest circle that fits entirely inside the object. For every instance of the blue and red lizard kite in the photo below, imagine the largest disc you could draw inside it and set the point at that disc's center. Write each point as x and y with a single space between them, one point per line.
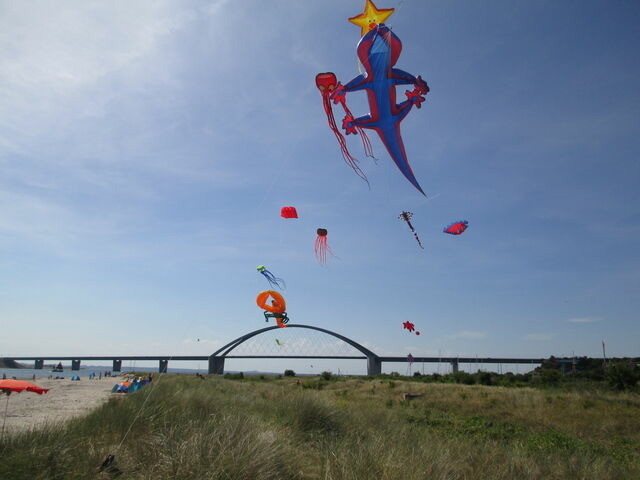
378 51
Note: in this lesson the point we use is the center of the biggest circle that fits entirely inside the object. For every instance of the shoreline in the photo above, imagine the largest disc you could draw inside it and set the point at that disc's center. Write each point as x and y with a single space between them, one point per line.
64 400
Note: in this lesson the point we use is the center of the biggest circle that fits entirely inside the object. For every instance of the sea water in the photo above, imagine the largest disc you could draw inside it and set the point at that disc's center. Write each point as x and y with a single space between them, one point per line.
84 372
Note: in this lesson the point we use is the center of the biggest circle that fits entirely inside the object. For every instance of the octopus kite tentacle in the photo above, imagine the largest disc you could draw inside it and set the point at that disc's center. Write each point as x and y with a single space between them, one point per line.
322 247
274 281
327 84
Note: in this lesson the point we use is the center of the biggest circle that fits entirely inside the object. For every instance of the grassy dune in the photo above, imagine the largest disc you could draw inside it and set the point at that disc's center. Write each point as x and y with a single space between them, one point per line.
347 428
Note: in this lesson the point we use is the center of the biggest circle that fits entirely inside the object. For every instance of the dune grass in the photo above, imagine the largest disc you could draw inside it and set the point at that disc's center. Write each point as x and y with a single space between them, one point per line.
346 428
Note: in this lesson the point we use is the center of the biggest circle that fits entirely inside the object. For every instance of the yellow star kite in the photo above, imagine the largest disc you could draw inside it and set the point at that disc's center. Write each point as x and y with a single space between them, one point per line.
371 17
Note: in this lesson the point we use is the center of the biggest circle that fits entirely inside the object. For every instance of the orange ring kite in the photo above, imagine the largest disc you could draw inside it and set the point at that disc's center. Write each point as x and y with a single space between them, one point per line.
278 304
277 307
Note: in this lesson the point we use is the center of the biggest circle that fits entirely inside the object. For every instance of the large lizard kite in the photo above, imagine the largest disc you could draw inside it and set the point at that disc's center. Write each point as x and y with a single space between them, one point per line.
378 51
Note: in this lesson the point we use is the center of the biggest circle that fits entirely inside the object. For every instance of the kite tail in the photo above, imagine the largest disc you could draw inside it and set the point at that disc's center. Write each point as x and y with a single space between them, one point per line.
278 282
321 248
415 234
274 281
348 158
366 143
321 253
406 216
418 239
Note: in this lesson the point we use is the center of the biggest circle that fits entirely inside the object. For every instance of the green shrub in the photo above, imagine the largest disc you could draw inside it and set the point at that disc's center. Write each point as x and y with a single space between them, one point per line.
622 375
289 373
464 378
326 375
485 378
547 377
308 413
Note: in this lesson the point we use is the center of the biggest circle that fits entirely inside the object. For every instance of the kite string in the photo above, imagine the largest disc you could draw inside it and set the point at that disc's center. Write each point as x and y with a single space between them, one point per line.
276 179
399 7
359 66
154 385
6 407
273 182
267 192
396 11
139 412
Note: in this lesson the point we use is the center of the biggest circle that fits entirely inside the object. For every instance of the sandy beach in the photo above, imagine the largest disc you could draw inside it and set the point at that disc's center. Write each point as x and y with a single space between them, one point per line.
64 400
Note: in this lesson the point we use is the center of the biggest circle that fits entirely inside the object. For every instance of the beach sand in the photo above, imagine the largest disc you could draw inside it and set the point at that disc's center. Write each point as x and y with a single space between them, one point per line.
64 400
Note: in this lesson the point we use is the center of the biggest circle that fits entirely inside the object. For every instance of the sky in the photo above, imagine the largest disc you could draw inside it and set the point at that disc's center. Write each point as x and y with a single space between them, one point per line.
146 149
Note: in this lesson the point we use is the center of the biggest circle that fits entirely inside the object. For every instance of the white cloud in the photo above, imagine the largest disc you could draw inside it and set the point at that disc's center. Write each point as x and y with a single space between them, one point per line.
538 337
78 44
582 320
36 220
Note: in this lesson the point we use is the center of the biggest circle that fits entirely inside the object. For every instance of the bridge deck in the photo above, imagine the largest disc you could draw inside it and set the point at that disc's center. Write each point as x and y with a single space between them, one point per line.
462 360
343 357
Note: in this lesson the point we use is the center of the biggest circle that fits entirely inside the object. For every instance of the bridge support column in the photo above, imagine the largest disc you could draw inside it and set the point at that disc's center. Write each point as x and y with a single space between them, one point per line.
454 365
216 365
75 364
38 364
374 366
117 366
164 364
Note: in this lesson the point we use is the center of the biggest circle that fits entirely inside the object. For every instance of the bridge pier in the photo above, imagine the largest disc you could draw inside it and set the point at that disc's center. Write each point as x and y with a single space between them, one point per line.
216 365
374 365
117 366
164 364
454 365
38 364
75 364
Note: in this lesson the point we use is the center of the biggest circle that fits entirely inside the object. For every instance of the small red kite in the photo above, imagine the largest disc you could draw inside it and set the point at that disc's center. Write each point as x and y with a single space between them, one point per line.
288 212
409 326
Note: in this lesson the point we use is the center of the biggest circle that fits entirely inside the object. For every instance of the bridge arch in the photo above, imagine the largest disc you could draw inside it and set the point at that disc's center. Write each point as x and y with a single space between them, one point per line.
216 359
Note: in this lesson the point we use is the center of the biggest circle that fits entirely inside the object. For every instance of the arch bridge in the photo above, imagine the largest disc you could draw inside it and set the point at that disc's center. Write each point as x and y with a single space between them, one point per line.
374 362
217 359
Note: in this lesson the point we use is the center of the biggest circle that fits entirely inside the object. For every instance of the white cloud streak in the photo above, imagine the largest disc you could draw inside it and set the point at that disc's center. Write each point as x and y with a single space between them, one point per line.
582 320
539 337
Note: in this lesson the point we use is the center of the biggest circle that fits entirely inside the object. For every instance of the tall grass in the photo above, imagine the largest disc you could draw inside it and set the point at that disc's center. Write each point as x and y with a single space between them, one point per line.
335 429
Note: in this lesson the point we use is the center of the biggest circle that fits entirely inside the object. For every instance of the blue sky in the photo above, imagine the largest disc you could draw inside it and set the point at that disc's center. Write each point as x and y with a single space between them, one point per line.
146 149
